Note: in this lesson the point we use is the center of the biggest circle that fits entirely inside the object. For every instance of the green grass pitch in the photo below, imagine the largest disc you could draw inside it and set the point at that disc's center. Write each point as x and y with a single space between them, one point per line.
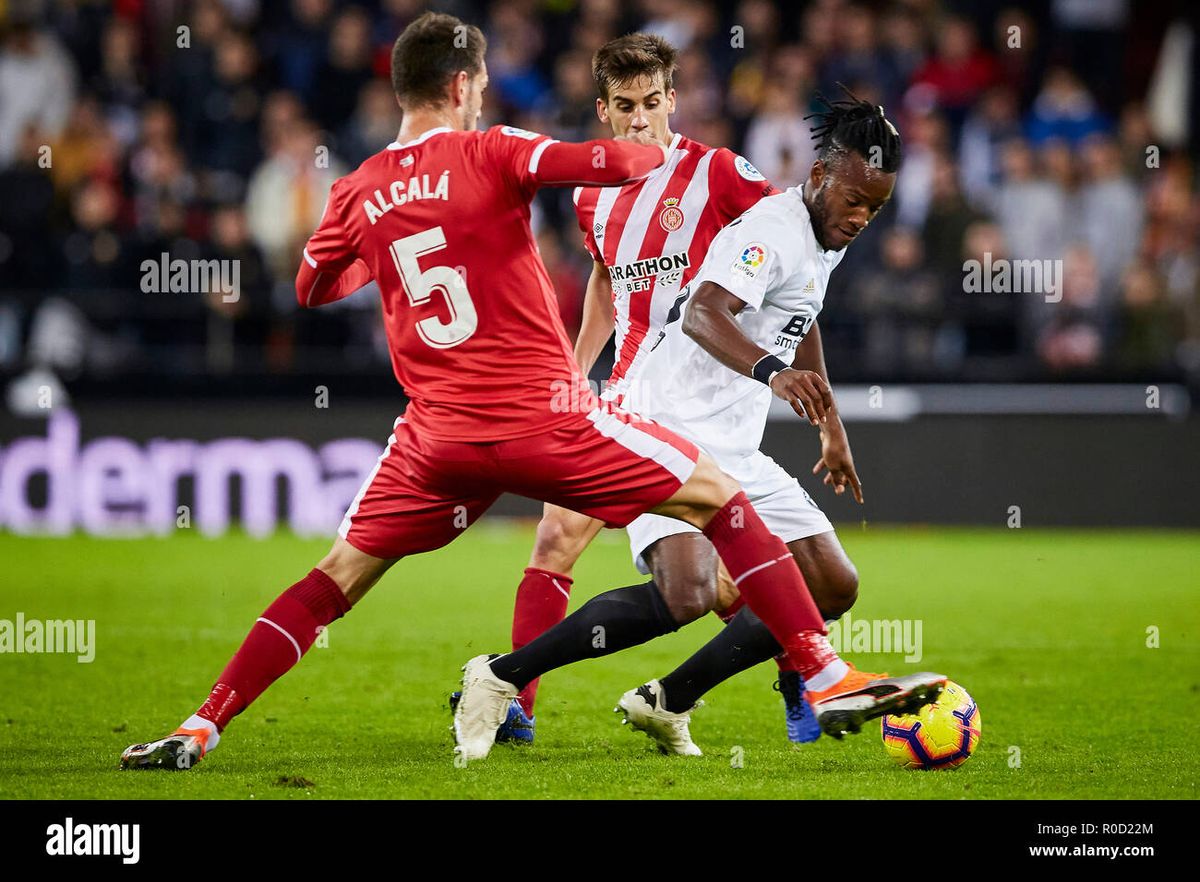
1048 630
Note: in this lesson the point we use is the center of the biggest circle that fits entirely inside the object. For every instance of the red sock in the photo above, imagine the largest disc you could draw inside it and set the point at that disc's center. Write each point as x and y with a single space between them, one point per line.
771 584
541 604
282 634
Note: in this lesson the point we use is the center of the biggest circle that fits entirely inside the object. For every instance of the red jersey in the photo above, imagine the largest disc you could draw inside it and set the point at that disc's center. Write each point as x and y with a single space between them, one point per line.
653 235
442 224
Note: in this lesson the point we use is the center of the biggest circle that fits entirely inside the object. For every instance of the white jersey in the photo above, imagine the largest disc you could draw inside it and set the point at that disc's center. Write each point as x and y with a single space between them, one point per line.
769 258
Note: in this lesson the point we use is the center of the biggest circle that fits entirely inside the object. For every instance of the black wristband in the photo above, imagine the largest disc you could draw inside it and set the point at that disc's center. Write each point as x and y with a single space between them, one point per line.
768 366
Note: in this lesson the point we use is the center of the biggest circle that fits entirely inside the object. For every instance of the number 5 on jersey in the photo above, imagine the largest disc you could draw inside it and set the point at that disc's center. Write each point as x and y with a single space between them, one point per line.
420 286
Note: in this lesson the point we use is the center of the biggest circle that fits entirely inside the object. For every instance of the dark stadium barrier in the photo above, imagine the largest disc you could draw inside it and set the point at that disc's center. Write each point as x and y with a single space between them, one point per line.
145 468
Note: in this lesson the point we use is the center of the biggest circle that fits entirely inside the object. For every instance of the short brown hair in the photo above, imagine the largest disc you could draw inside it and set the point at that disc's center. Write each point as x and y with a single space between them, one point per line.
631 56
428 54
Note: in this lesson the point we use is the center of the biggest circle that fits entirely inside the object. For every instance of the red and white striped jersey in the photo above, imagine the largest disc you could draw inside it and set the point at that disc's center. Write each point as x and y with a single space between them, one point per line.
653 235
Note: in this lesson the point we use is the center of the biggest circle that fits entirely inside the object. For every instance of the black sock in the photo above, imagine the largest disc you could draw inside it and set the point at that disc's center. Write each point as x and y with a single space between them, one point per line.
607 623
742 644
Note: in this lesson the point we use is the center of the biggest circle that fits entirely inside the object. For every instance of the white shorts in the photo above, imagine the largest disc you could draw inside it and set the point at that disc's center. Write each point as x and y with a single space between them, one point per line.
785 507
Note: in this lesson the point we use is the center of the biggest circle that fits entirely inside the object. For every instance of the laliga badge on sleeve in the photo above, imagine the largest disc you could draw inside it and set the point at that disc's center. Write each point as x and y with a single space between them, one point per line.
746 170
750 261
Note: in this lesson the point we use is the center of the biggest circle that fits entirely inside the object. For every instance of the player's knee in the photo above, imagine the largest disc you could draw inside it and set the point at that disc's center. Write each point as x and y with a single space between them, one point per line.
841 591
550 535
689 596
354 571
553 547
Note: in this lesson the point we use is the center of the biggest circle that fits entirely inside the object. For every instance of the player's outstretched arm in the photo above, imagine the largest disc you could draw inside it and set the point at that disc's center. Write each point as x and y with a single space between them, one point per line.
598 318
316 287
710 321
331 268
835 444
604 162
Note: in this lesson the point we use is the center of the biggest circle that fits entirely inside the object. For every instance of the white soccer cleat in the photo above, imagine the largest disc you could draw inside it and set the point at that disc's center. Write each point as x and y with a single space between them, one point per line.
643 710
482 709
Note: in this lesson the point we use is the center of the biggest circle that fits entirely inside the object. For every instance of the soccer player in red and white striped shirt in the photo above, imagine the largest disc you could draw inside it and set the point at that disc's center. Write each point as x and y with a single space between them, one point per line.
647 239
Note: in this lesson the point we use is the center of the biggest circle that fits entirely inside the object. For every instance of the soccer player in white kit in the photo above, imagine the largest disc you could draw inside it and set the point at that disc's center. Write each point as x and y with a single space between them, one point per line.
647 241
844 190
730 343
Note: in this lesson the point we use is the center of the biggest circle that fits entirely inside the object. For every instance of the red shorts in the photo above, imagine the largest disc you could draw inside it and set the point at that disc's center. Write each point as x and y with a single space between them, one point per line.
423 492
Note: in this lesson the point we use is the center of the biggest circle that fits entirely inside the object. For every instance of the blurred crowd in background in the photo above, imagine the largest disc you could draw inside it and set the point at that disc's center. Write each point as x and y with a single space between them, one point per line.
1058 130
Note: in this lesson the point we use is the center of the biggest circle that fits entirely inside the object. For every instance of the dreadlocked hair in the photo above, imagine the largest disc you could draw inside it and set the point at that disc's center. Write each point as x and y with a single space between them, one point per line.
853 124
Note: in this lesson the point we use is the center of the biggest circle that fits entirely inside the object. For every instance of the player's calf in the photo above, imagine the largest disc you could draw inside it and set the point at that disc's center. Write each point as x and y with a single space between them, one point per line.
545 588
277 641
354 572
561 537
684 567
840 594
542 598
831 576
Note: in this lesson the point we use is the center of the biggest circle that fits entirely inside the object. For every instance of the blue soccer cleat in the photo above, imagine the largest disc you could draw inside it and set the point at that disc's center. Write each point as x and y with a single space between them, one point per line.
802 725
516 728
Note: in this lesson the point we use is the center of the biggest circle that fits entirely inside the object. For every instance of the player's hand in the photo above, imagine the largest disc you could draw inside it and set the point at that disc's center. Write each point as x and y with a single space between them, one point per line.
644 137
835 456
806 392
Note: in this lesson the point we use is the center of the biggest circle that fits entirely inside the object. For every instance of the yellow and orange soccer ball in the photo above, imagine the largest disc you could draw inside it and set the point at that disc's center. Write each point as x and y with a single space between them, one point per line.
942 735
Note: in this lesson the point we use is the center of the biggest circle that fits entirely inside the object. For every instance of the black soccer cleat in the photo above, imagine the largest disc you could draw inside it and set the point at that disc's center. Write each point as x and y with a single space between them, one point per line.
177 752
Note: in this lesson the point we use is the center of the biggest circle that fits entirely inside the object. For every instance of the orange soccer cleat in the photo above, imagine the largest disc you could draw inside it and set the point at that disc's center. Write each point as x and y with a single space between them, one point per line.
860 696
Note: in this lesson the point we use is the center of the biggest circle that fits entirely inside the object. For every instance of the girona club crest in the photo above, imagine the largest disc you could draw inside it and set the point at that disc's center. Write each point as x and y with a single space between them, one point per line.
671 217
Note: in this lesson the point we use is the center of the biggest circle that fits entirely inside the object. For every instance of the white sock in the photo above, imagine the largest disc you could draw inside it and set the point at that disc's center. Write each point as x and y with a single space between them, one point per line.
827 676
195 722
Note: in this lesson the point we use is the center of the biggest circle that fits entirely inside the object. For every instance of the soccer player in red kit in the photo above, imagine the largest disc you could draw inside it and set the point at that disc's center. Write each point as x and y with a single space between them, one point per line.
440 220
